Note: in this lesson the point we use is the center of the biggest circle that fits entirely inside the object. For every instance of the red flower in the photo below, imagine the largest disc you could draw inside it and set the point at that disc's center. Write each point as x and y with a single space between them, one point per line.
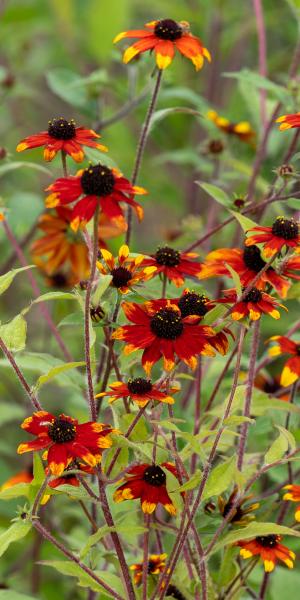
141 391
254 305
156 565
291 370
160 331
97 184
70 478
270 550
289 121
147 482
247 262
65 438
165 37
284 232
173 264
64 136
126 271
293 495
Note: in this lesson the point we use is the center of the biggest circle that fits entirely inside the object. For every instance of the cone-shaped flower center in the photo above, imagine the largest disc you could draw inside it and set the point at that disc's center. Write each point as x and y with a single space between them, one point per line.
167 256
61 129
154 476
120 277
62 431
254 296
97 180
272 386
167 29
152 566
167 324
285 228
193 304
252 258
139 385
174 592
267 541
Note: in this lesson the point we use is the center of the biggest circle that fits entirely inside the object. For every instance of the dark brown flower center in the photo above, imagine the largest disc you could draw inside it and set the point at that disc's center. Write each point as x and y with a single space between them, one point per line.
167 29
174 592
167 324
252 258
167 256
285 228
272 386
193 304
267 541
97 180
62 431
97 313
152 565
154 476
139 385
61 129
120 277
59 280
253 295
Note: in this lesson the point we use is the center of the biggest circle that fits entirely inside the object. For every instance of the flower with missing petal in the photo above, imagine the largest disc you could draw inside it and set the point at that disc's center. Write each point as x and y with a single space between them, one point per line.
291 370
293 495
95 185
126 272
284 232
242 130
156 565
160 331
165 37
270 550
173 264
289 121
64 438
254 304
247 262
147 482
63 135
141 391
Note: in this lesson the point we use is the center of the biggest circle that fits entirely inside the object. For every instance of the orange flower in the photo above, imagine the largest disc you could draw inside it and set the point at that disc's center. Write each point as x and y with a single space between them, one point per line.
97 184
147 482
242 130
173 264
253 305
64 136
64 438
160 331
291 370
140 390
247 262
284 232
270 550
156 565
293 495
289 121
127 272
165 37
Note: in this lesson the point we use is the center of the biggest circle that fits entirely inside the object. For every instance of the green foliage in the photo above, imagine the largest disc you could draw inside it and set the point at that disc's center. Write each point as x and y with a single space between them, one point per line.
14 333
14 533
7 279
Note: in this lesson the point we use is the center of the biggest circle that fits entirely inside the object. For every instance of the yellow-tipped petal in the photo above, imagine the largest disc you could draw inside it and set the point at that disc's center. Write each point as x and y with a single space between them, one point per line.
22 146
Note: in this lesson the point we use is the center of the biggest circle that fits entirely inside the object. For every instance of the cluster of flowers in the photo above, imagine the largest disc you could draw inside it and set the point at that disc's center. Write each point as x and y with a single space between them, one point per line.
171 329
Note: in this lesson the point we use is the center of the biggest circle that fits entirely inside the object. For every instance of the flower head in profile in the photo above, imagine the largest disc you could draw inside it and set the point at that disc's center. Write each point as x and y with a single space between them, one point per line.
270 550
126 271
147 482
254 304
242 130
160 331
165 37
293 495
284 232
242 514
270 385
68 477
96 185
289 121
141 391
173 264
64 439
24 476
291 267
291 370
247 262
156 565
63 135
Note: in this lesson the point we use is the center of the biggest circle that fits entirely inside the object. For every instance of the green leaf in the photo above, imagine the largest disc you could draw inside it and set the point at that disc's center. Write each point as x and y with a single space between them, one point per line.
64 83
13 595
103 283
67 567
15 532
38 470
12 166
15 491
217 193
7 278
244 222
49 296
191 483
166 112
214 314
252 530
220 478
56 371
260 82
236 279
103 531
14 333
277 450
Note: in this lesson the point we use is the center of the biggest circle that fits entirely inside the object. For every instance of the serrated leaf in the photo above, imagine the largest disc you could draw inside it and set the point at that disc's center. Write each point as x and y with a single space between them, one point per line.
220 478
217 193
52 373
244 222
252 530
7 278
14 333
15 532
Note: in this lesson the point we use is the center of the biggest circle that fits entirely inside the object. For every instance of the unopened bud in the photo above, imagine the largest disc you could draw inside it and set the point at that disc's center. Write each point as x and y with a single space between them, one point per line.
97 313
